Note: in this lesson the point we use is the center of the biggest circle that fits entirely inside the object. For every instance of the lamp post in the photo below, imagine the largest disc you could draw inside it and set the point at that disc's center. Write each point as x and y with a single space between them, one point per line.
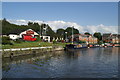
72 35
88 41
66 36
40 30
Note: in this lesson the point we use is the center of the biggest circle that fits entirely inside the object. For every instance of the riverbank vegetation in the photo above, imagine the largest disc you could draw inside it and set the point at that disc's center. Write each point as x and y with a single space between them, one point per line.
32 44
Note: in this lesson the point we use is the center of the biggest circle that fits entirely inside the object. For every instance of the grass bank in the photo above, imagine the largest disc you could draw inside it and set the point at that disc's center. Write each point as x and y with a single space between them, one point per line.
32 44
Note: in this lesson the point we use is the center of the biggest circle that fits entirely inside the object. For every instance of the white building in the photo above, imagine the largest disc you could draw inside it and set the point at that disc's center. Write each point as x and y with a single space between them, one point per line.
45 38
13 36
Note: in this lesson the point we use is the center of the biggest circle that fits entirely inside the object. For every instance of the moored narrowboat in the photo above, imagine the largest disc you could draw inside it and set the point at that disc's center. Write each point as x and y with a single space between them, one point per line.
71 47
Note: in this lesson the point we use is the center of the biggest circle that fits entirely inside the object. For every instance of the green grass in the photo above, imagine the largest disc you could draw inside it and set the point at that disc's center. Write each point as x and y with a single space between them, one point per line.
32 44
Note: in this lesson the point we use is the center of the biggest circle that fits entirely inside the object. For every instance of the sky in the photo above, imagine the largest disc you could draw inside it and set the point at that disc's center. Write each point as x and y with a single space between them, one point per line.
85 16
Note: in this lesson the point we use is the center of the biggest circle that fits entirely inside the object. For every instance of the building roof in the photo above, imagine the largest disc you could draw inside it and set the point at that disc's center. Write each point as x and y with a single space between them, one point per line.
107 34
115 35
24 32
82 35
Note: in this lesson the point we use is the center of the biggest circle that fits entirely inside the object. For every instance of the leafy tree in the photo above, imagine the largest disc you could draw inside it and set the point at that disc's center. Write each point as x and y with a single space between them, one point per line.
30 23
98 35
87 33
69 31
50 32
60 32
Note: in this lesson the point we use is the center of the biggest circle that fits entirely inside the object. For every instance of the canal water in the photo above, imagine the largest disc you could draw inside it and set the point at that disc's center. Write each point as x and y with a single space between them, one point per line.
82 63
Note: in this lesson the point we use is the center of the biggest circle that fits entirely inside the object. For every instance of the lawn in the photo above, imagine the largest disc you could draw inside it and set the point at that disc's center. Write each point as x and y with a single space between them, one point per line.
32 44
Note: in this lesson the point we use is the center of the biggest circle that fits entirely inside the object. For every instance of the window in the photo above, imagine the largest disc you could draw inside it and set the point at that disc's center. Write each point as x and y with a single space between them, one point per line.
46 37
41 37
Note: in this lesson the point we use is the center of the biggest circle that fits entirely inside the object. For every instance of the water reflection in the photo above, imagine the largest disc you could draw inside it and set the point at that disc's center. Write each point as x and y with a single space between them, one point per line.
72 54
83 63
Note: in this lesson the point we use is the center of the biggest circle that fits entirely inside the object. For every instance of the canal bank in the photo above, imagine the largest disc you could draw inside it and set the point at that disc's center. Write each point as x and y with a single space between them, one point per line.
27 51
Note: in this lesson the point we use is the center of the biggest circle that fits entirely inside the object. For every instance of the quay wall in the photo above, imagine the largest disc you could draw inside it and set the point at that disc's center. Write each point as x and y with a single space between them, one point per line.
27 51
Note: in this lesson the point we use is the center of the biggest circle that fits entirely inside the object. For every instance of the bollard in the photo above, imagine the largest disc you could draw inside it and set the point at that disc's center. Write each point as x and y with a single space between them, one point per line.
11 55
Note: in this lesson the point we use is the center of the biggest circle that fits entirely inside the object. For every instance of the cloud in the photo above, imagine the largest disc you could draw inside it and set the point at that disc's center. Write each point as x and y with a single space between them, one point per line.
19 22
62 24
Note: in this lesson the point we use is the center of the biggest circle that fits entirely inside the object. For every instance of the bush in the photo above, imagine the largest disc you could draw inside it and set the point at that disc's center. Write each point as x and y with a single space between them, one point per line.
18 41
6 40
81 42
54 42
100 42
38 39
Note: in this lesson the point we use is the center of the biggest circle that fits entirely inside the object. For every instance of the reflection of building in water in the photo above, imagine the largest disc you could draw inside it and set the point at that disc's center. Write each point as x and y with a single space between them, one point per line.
115 50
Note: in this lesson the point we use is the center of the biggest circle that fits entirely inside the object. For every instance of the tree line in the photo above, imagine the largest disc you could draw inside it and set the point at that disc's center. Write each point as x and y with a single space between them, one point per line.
9 28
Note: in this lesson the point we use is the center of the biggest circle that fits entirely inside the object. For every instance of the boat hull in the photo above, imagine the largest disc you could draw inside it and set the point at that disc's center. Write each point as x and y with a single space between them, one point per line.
74 47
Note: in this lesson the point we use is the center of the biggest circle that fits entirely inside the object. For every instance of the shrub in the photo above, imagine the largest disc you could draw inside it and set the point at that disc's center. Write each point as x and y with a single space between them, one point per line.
18 41
82 42
54 42
6 40
38 39
100 42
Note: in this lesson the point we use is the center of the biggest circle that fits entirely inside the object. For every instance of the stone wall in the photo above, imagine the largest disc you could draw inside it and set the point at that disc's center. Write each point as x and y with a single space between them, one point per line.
30 51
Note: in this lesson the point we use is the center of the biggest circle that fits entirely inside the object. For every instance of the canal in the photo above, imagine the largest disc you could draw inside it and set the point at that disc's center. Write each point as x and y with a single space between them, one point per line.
83 63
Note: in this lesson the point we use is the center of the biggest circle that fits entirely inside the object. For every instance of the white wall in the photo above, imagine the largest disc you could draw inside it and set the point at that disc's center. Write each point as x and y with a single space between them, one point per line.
13 36
46 38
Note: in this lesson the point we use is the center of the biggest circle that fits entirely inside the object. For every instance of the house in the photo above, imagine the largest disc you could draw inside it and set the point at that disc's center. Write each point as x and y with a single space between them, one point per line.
114 38
29 35
106 37
111 38
13 36
119 38
83 37
88 38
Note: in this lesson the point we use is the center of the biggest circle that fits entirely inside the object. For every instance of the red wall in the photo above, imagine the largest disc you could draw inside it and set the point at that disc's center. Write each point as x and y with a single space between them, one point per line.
29 38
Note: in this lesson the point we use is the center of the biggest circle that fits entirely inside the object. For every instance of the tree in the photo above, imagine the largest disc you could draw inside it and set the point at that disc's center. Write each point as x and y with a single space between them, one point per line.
50 32
60 32
36 27
69 31
6 27
30 23
87 33
98 35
